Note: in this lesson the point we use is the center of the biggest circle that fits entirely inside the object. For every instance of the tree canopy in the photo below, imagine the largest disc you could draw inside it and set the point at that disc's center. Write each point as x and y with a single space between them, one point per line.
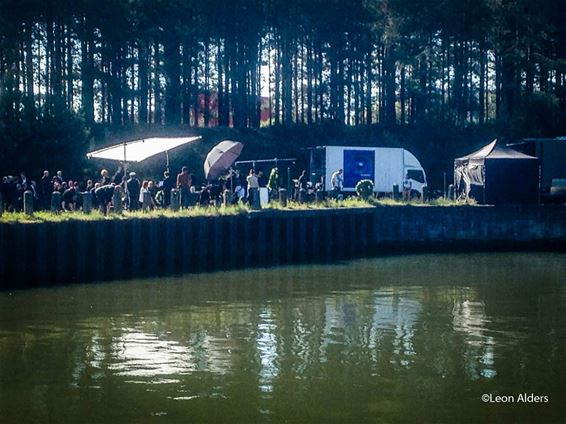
107 64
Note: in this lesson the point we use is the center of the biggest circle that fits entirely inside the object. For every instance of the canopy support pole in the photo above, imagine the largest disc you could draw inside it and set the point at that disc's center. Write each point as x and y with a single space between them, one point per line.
167 156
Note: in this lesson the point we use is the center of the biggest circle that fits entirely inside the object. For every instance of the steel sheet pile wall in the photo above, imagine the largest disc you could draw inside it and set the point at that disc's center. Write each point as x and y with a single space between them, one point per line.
59 253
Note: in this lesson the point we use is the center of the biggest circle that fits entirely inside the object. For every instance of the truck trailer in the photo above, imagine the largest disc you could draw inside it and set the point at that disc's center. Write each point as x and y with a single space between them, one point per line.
386 167
551 153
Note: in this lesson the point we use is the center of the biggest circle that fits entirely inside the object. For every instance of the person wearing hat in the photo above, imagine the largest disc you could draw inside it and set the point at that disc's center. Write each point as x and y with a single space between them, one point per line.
133 185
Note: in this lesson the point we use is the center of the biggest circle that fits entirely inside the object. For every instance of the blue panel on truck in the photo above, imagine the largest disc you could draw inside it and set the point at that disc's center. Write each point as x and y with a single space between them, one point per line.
358 165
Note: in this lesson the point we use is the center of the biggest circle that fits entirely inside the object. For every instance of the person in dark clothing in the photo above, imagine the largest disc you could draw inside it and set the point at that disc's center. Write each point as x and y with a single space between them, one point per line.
216 191
204 197
104 177
133 185
45 190
167 185
104 195
95 202
4 188
24 181
69 199
184 182
118 176
10 192
261 179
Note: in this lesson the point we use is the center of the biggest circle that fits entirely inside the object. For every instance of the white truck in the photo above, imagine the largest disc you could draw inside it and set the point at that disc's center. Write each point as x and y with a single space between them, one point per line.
385 166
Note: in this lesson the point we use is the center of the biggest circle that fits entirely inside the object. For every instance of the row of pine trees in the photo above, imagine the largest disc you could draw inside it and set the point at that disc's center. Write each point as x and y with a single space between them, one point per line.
203 63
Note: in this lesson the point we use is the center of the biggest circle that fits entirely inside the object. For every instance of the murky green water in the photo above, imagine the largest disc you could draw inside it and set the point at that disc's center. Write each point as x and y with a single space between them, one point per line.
399 339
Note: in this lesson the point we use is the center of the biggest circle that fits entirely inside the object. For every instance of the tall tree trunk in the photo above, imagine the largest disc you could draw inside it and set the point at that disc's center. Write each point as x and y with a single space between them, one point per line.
172 71
157 112
143 82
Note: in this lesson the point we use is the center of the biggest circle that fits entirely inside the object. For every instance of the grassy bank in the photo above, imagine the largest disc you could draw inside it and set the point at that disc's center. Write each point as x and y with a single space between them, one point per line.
39 217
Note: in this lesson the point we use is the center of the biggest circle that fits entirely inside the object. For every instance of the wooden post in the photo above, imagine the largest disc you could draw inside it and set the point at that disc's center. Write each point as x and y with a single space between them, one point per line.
87 202
117 200
283 197
256 204
175 200
28 202
451 192
56 202
226 196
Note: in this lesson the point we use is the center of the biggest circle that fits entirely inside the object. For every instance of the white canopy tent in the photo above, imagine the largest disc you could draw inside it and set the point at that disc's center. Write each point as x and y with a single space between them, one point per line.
139 150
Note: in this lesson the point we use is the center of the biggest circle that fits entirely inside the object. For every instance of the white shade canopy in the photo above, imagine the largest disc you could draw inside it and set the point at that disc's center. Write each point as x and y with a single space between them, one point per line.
138 150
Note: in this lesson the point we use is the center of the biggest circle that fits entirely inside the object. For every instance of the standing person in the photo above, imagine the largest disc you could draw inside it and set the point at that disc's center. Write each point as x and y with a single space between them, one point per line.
59 177
24 181
153 189
133 185
253 184
407 188
273 182
118 176
337 181
146 194
45 190
301 187
104 177
184 182
261 179
167 185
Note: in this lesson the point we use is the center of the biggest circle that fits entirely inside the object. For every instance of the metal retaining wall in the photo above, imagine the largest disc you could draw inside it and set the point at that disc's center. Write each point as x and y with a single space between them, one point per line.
75 252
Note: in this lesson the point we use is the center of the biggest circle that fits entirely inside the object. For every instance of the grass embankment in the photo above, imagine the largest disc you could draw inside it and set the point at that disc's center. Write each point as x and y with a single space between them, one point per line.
39 217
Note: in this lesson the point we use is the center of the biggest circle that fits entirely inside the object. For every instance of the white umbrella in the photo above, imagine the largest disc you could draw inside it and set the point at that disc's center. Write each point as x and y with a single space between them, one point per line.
138 150
221 158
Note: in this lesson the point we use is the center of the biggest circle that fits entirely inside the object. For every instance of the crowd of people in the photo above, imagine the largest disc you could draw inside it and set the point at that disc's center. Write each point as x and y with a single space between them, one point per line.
135 193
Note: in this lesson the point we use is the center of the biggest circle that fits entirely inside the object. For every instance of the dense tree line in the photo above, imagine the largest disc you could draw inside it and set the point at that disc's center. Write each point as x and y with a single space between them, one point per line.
116 63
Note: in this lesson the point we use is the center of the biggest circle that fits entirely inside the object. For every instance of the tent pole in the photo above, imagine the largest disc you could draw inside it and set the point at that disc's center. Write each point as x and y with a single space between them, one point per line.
167 156
125 172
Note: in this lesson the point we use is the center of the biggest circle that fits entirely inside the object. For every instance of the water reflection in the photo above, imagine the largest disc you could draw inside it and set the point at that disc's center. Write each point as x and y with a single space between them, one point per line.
345 341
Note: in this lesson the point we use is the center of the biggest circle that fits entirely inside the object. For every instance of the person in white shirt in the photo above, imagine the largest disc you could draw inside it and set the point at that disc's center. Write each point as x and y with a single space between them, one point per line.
252 184
337 180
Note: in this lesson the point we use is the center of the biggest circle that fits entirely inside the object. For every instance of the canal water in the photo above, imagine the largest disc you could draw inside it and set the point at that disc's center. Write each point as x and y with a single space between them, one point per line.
416 338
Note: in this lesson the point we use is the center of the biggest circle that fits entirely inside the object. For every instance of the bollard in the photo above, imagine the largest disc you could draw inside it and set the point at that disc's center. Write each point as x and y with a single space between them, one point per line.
146 203
256 204
87 201
451 192
319 196
55 201
175 200
117 200
283 197
28 202
226 197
